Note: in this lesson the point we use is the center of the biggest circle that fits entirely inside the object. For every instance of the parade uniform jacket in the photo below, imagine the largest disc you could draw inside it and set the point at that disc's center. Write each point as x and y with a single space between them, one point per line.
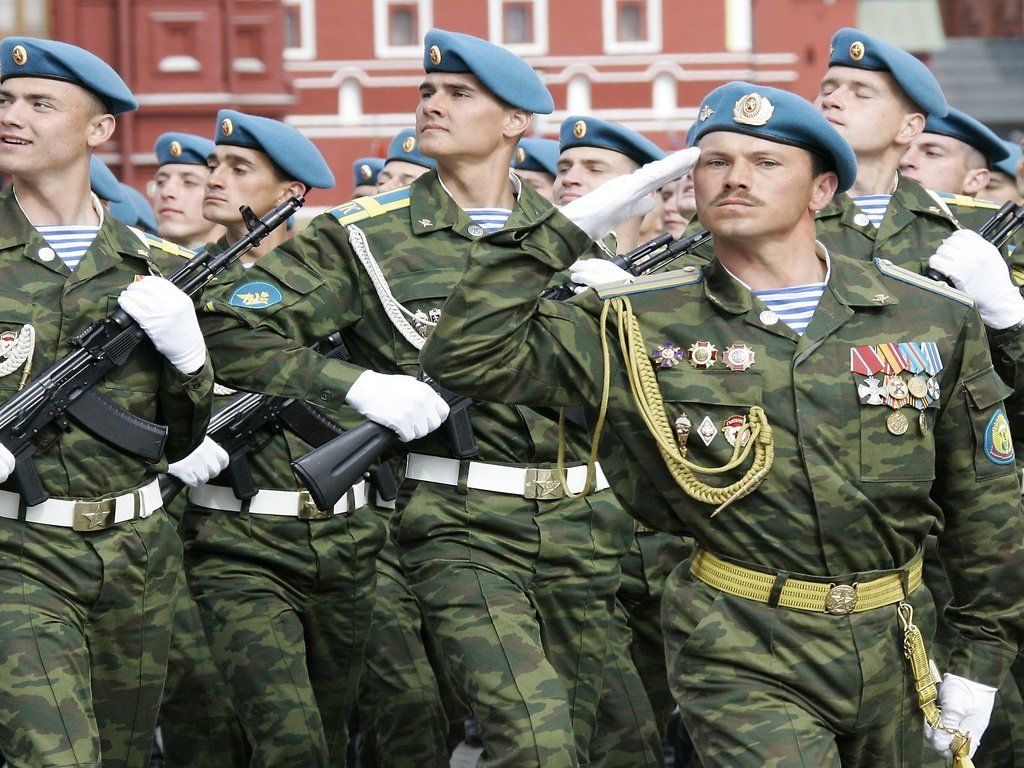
845 496
314 285
38 290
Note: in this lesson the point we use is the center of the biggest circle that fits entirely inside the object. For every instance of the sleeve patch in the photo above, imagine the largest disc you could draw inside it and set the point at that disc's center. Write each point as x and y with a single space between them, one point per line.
998 444
256 295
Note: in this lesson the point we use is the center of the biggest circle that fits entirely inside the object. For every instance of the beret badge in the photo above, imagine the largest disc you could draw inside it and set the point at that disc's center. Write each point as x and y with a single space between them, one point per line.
857 50
705 113
409 144
435 55
579 130
175 148
19 55
365 172
753 109
226 126
520 155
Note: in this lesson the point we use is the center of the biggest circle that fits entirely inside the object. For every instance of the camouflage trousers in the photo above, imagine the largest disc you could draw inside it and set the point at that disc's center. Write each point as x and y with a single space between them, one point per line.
518 595
409 715
84 628
636 702
286 604
763 687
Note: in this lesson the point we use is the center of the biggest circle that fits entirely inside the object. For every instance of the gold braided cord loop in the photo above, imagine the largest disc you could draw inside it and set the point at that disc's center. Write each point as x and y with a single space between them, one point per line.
756 437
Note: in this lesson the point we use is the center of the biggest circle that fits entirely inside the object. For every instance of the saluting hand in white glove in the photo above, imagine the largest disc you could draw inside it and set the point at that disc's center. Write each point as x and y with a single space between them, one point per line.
168 317
625 197
6 463
967 707
205 462
401 403
976 267
596 271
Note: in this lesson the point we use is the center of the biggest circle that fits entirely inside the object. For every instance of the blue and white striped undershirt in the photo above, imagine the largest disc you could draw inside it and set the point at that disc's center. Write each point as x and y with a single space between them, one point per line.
491 219
69 242
874 207
795 306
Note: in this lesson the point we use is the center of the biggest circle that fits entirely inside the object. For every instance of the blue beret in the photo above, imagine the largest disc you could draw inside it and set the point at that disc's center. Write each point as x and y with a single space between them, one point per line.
580 131
534 154
405 147
182 148
134 210
775 115
290 150
52 60
854 48
1008 165
959 125
103 182
506 75
365 170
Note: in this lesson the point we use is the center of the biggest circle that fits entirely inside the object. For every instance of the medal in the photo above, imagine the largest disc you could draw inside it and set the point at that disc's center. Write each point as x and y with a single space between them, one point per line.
682 426
707 430
899 392
739 357
735 428
897 423
922 422
667 355
872 392
702 355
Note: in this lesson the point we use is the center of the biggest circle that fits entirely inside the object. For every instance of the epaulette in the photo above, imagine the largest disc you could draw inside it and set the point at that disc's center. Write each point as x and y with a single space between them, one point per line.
373 205
965 201
655 282
154 241
889 269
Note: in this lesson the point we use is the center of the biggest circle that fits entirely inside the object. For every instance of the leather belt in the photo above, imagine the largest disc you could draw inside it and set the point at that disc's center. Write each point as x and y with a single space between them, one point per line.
283 503
86 515
813 596
529 482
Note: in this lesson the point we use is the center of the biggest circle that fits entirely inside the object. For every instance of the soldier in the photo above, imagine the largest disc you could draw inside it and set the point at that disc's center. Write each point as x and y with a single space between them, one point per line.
87 576
515 581
1002 184
364 175
134 209
786 632
535 161
593 151
275 579
178 187
679 206
103 182
953 154
404 164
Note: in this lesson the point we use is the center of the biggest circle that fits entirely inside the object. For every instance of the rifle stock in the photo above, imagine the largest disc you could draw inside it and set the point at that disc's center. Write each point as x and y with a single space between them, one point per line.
330 470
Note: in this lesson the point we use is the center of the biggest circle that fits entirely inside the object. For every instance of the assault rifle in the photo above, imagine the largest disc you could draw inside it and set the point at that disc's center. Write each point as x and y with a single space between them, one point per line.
65 389
997 230
642 260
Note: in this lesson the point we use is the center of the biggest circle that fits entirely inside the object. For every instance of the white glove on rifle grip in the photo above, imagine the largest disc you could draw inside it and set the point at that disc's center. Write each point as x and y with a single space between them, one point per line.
205 462
401 403
6 463
168 317
967 707
596 271
976 267
625 197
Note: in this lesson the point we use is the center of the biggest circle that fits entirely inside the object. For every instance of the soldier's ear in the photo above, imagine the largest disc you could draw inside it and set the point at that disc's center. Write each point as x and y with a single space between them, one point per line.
910 129
517 122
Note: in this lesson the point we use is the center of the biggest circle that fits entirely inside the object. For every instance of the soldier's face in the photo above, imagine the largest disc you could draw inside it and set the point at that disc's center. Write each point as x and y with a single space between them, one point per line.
240 176
749 188
584 169
945 164
1001 189
866 107
45 125
459 119
398 173
177 192
540 181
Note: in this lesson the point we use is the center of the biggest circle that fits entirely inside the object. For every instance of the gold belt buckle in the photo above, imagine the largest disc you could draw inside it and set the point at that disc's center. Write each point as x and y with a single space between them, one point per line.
542 484
841 599
93 515
308 510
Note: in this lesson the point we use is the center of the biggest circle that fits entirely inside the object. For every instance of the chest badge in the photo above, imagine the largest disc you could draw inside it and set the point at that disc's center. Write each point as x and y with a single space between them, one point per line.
739 357
667 355
702 355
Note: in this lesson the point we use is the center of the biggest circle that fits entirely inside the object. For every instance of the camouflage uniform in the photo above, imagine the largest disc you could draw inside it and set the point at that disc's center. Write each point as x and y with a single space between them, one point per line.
516 592
845 499
285 602
85 616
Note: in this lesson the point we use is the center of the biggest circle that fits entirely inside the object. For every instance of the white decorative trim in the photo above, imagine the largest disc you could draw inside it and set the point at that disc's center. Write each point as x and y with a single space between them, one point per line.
306 50
496 28
610 23
383 48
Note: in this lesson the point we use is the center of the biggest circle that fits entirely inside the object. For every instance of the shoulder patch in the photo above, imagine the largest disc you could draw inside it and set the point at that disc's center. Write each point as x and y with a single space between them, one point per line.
154 241
363 208
889 269
655 282
998 444
255 295
965 201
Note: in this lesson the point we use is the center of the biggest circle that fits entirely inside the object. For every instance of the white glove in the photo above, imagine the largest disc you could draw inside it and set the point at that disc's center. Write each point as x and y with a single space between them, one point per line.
966 706
625 197
205 462
977 268
6 463
597 271
168 317
402 403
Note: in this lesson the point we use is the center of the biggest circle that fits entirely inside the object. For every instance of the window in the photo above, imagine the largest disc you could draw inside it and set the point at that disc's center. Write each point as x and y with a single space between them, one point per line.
24 17
632 26
399 26
299 29
519 25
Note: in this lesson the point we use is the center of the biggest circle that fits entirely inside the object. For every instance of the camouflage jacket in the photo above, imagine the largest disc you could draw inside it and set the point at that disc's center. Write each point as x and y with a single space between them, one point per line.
40 292
845 495
259 329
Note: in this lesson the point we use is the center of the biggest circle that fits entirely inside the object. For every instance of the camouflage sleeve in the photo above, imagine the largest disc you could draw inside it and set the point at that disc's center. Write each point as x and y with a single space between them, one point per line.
260 328
981 541
497 340
185 403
